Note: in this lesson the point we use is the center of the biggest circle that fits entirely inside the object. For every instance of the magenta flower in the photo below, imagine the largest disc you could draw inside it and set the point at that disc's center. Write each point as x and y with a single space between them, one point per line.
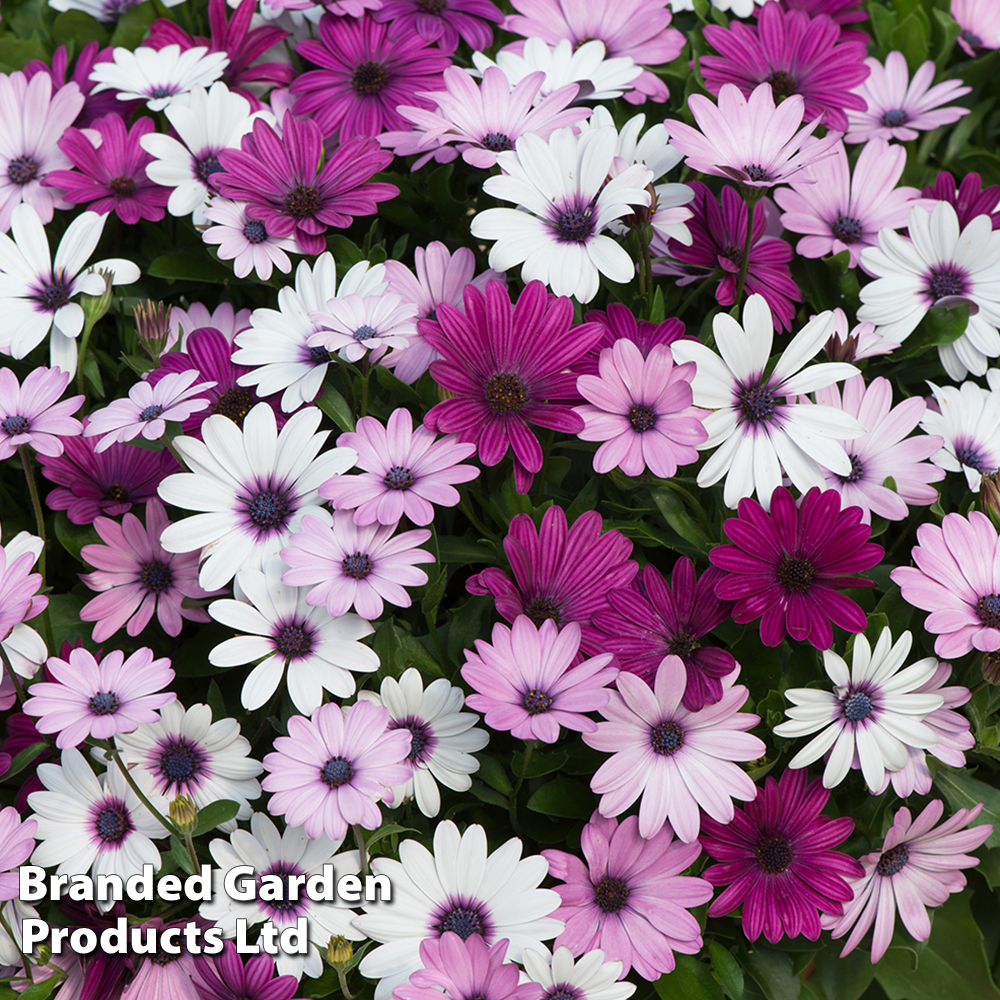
407 471
788 567
954 580
504 366
225 977
842 11
111 177
628 898
355 566
563 573
17 841
364 76
980 24
137 577
969 198
99 699
333 768
277 176
31 413
777 861
526 682
619 323
442 21
918 866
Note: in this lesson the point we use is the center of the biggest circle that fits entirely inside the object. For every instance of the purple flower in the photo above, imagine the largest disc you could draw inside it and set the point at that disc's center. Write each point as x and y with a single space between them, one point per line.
225 977
245 241
442 21
620 323
17 841
842 11
980 24
364 76
276 176
969 198
19 597
777 862
31 414
788 568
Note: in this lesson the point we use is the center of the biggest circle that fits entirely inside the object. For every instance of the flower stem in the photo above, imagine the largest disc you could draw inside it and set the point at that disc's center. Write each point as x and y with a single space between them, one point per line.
359 837
115 754
88 329
466 508
529 749
698 289
14 940
343 985
647 267
745 262
36 504
16 681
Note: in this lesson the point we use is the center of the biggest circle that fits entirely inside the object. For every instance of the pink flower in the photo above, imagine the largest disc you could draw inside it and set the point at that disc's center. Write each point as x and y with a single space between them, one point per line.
407 471
525 681
99 699
442 21
980 24
17 841
620 323
245 241
19 597
861 342
31 414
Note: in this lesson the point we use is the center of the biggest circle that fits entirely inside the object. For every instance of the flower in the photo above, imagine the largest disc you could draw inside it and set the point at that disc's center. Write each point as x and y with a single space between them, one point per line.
246 241
954 580
938 265
749 140
560 572
37 293
562 185
641 409
364 76
254 485
504 366
441 22
901 108
348 565
979 21
525 682
589 979
17 841
618 323
459 887
777 863
861 342
95 698
918 866
795 54
277 177
443 737
969 198
740 8
839 212
788 568
759 437
164 973
225 977
627 898
95 105
31 414
364 326
332 770
319 651
184 322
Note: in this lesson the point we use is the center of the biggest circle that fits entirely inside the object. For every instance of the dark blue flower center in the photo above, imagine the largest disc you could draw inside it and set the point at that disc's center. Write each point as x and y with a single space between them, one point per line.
421 736
893 860
756 173
254 231
160 92
796 574
358 565
757 403
179 761
848 229
293 640
611 894
55 295
971 37
364 332
666 738
497 142
561 991
206 167
104 703
463 921
268 509
22 169
336 771
857 472
369 78
895 118
123 186
151 412
968 455
988 609
942 283
536 702
542 609
399 478
642 417
774 854
432 6
15 425
113 822
574 226
506 393
155 577
319 355
857 706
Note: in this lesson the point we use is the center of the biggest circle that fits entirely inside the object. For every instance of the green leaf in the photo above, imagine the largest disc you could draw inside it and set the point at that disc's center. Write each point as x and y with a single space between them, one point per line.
989 867
15 53
912 37
132 26
772 970
183 266
942 325
180 855
690 980
24 758
215 814
945 31
64 617
462 551
563 797
434 590
215 701
843 978
491 771
464 626
675 514
333 404
728 970
658 312
345 252
40 991
540 764
389 830
963 792
72 537
488 795
74 26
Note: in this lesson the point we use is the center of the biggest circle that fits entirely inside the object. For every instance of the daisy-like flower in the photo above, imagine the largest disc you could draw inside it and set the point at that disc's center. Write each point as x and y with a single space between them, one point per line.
364 76
138 578
254 485
225 977
967 419
459 887
874 713
628 898
565 202
954 580
245 241
443 736
901 108
591 978
108 11
919 865
525 681
980 24
19 597
441 21
158 76
17 841
777 862
320 652
268 852
37 292
364 326
99 699
620 323
788 568
838 211
163 973
32 120
32 415
197 316
641 409
333 769
939 264
969 198
885 451
739 8
504 367
347 565
861 342
758 436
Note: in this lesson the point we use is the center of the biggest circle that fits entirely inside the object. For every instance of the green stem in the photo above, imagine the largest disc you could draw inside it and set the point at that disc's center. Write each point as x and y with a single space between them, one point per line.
88 329
36 504
647 266
359 838
341 976
192 851
550 437
365 376
698 288
17 945
745 262
466 508
115 754
267 715
169 445
529 749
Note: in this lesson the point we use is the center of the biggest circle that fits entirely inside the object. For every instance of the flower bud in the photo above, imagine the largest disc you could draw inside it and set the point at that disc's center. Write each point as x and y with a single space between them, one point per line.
152 322
989 497
184 813
338 951
991 667
95 306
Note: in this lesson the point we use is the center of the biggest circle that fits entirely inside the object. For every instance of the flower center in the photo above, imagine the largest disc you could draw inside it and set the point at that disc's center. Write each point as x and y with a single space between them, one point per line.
536 702
666 738
497 142
756 173
113 822
611 894
735 254
895 118
364 332
161 92
421 737
204 168
122 186
285 903
268 509
399 478
163 958
642 417
971 37
255 231
857 472
541 609
796 574
857 706
235 404
942 283
293 640
988 609
847 229
15 425
893 860
22 169
757 403
369 78
968 455
463 921
151 412
432 6
116 492
55 295
178 761
155 577
774 854
680 644
104 703
302 201
358 565
319 355
506 393
336 771
562 991
782 84
574 226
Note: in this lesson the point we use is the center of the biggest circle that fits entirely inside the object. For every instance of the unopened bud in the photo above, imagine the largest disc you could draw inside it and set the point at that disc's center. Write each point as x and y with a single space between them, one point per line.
184 813
152 323
44 954
95 306
642 215
989 497
338 951
991 667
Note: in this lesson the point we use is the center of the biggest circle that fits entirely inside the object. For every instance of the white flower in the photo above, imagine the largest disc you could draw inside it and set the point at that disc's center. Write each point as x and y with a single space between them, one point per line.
740 8
24 647
443 736
756 435
873 715
589 978
460 888
254 486
245 241
107 11
353 326
14 912
937 265
565 201
36 294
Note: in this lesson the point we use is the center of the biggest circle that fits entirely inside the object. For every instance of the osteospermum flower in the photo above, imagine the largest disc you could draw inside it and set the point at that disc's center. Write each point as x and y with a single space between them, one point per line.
620 323
185 322
591 978
225 977
777 862
860 342
788 568
364 326
918 866
627 897
17 841
679 762
969 198
441 21
31 414
245 241
979 21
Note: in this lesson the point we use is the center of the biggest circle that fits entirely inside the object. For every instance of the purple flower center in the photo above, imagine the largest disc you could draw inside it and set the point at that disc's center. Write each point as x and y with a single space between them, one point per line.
971 37
268 509
562 991
968 455
302 201
364 332
574 226
235 404
893 860
113 823
122 186
463 921
536 702
756 173
293 640
857 706
541 609
207 166
116 492
796 574
179 761
432 6
847 229
988 609
155 577
369 78
319 355
774 854
666 738
506 393
160 92
497 142
15 424
782 84
735 254
611 894
255 231
336 771
642 417
399 478
942 283
283 872
22 169
857 472
55 295
358 565
757 403
151 412
421 737
104 703
895 118
680 644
